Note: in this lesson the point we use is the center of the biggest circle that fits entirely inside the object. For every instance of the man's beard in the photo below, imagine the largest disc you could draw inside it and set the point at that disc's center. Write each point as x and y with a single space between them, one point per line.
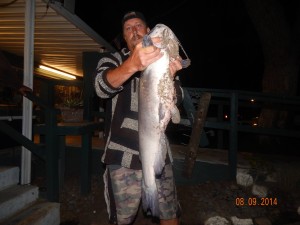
136 39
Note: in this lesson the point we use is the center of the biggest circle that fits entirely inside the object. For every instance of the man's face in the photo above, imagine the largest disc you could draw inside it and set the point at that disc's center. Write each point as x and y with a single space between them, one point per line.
133 31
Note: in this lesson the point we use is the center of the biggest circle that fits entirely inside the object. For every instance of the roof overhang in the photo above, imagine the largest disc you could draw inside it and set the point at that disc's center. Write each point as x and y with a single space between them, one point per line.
60 37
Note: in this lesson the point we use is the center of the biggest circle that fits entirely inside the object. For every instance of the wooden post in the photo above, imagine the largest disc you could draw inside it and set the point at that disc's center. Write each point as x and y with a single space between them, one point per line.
200 117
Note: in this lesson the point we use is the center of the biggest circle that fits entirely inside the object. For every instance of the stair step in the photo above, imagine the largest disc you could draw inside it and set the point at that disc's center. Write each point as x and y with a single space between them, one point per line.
16 197
9 176
21 204
38 213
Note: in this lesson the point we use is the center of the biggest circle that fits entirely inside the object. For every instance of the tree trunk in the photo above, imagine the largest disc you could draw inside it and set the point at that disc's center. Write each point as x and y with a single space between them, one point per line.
280 44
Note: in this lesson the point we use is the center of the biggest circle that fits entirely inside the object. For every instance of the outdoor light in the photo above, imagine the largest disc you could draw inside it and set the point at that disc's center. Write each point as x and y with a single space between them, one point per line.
61 73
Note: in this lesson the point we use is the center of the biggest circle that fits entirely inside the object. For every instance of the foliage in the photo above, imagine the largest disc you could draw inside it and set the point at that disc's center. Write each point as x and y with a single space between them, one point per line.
72 102
72 98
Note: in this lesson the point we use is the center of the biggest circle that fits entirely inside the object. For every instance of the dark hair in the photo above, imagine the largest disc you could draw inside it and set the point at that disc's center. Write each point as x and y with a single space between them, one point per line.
131 15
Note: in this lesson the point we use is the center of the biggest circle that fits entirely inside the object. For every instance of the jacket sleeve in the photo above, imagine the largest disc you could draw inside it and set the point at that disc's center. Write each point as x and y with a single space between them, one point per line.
102 87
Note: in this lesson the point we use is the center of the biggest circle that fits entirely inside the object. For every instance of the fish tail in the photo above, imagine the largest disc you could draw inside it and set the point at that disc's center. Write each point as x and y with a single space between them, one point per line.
150 200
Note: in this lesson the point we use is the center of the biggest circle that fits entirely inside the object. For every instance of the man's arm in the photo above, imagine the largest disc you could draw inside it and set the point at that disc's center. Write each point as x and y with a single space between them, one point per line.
111 73
138 60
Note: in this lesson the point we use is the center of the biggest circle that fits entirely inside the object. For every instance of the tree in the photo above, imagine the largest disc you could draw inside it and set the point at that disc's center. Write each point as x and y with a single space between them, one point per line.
278 26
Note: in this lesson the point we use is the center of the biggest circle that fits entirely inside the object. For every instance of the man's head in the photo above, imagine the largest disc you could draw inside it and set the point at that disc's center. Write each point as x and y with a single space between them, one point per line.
133 14
134 28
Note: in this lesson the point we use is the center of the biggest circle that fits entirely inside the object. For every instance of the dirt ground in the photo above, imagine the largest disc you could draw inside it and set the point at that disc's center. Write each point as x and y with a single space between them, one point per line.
198 203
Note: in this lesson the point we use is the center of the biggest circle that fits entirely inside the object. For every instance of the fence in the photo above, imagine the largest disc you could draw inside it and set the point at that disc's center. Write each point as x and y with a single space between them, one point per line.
221 103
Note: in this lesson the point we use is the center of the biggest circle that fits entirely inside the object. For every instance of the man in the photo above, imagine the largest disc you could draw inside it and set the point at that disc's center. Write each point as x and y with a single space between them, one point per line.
117 79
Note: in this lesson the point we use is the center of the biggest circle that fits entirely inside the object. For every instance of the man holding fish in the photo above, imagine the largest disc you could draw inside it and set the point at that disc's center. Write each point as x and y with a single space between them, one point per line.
117 79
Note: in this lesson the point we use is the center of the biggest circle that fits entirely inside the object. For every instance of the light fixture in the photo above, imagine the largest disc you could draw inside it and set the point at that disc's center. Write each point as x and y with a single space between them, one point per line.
61 73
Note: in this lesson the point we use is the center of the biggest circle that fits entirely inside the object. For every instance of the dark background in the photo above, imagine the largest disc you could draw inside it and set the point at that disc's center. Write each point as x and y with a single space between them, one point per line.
217 35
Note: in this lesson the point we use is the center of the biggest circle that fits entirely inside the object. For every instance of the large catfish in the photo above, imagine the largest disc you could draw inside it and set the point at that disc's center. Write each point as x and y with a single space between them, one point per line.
157 99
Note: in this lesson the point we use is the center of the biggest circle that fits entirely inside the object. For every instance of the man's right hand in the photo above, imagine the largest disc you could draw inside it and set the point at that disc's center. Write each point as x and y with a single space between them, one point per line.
138 60
141 57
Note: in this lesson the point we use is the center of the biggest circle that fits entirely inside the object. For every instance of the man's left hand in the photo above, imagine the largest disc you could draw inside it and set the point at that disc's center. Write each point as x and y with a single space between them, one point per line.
175 65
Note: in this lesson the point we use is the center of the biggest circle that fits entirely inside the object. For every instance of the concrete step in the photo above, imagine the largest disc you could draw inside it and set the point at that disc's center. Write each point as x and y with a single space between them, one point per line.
40 212
15 198
21 204
9 176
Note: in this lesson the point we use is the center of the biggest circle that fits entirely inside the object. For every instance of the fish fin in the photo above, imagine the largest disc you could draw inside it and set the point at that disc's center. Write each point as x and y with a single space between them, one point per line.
175 115
150 200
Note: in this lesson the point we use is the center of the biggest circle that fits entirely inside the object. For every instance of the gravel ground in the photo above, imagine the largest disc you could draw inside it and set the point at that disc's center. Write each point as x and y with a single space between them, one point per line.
198 202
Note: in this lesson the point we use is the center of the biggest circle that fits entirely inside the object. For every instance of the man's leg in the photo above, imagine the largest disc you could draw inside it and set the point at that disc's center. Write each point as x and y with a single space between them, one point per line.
122 193
168 204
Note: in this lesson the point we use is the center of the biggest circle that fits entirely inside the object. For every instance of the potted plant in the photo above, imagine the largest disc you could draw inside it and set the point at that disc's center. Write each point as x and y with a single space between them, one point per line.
74 103
72 108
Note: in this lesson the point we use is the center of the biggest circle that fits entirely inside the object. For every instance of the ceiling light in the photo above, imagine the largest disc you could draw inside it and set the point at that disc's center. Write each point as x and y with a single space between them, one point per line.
61 73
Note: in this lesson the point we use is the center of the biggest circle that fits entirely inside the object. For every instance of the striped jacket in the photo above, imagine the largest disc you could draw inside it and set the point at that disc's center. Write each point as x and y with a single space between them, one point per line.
122 147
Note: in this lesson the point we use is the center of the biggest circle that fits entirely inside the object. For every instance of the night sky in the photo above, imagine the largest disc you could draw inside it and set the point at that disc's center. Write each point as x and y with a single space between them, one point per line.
217 35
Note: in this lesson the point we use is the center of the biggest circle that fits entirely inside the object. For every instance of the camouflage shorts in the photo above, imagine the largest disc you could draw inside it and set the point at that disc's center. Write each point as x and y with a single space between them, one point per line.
123 189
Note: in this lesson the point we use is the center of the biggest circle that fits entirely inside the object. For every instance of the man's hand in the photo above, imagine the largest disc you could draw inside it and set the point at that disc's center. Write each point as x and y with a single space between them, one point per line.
141 57
138 60
175 65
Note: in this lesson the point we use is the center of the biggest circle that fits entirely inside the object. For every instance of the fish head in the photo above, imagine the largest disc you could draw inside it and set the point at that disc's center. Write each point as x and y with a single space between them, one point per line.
169 41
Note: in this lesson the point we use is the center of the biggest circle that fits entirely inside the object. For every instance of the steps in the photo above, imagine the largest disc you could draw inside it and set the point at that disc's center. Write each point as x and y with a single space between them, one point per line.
21 204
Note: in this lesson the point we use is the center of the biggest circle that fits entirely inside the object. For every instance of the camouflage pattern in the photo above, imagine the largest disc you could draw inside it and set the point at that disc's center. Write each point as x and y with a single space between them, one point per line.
127 188
126 185
168 204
